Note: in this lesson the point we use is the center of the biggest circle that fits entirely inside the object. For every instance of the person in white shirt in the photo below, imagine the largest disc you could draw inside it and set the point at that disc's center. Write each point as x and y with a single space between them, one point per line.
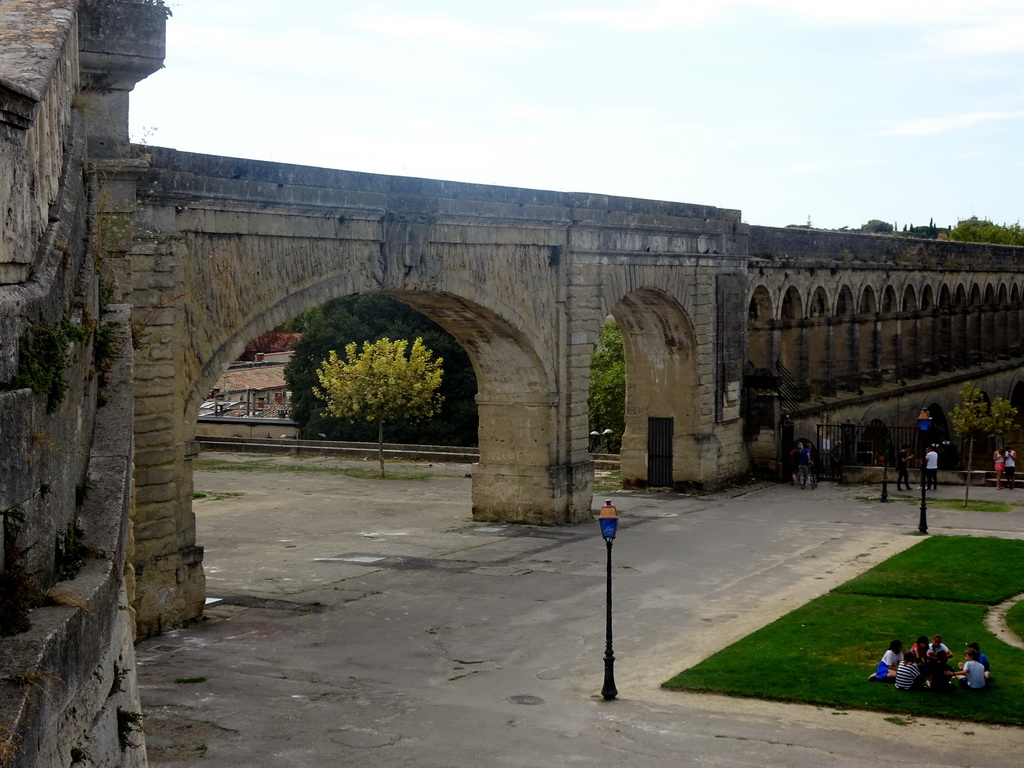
1009 465
931 469
890 661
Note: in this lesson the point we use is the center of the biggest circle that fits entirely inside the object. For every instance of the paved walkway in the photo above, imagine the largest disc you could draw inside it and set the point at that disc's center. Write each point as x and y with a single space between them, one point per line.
374 623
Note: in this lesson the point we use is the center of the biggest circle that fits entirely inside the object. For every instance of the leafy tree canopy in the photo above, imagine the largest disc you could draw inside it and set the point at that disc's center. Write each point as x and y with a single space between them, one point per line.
381 384
335 324
606 400
979 231
877 226
972 414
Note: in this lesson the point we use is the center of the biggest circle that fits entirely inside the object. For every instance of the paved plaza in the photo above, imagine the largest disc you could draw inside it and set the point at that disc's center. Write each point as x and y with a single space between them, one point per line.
362 622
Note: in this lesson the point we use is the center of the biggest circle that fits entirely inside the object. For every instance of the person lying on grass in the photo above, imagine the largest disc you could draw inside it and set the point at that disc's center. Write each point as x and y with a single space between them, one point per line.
908 674
890 661
972 672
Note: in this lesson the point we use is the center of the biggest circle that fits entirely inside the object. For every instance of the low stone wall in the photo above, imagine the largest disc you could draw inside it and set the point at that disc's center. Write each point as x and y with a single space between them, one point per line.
353 450
873 476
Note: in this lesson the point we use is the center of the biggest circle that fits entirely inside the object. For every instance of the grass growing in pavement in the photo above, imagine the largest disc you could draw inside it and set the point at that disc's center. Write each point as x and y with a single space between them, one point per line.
269 465
607 481
957 505
823 652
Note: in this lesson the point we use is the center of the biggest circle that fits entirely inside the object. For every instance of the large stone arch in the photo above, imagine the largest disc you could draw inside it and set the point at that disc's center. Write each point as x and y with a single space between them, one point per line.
868 343
889 331
513 388
1013 324
819 343
960 328
661 385
844 335
1000 323
928 348
792 345
910 334
945 345
974 321
988 324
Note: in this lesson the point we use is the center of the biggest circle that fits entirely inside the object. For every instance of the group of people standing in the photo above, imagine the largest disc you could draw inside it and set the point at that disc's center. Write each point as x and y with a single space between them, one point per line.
929 468
802 462
925 665
1005 460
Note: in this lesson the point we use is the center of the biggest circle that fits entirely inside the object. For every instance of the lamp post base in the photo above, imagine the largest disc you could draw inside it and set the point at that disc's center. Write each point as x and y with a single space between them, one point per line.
922 524
608 690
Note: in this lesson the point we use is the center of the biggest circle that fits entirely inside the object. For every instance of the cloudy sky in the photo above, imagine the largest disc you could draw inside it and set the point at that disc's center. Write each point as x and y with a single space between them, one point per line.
839 111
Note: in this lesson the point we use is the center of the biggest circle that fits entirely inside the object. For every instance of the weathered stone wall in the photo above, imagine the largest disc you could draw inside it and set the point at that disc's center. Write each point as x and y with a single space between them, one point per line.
869 327
67 680
848 250
38 80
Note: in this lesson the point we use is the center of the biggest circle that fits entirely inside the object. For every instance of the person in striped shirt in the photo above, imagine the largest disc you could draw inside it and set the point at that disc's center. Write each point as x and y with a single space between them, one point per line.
908 674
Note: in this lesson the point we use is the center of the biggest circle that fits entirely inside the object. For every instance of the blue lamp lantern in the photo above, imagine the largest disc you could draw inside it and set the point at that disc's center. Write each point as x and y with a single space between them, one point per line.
608 517
924 420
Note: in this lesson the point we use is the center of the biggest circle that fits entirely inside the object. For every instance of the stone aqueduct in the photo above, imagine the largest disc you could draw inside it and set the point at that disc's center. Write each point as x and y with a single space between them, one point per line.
192 256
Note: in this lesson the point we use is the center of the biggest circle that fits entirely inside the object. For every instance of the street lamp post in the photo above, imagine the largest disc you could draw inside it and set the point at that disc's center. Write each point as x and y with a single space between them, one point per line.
885 477
924 420
608 517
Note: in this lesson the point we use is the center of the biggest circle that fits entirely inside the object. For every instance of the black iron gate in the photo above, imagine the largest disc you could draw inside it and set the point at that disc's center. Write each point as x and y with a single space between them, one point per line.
659 453
874 444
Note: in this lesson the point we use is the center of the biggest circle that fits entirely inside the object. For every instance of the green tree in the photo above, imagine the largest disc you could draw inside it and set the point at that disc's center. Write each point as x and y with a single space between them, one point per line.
972 414
976 230
369 317
877 226
606 400
381 383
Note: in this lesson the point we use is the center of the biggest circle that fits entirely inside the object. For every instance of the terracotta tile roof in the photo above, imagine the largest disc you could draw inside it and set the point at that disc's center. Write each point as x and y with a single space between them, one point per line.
261 377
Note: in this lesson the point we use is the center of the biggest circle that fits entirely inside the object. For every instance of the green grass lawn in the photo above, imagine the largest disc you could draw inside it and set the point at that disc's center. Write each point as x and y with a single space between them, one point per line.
370 472
1015 619
957 505
823 652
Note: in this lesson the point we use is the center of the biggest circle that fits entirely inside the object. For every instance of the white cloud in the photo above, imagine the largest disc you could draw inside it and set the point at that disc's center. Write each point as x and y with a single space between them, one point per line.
641 16
440 29
832 166
931 126
989 22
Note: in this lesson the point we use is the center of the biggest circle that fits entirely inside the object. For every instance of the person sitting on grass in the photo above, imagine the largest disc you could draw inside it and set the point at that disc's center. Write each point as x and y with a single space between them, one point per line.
940 674
972 672
908 674
981 659
936 646
890 661
921 648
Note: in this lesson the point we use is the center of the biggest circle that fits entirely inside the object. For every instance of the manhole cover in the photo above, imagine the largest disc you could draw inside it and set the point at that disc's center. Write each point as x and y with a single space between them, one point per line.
524 699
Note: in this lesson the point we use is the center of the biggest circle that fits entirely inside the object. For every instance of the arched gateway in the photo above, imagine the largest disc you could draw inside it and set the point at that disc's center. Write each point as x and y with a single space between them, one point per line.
226 249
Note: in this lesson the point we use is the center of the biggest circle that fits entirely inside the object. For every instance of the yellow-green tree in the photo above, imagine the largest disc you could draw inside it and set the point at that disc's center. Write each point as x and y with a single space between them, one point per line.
381 383
972 414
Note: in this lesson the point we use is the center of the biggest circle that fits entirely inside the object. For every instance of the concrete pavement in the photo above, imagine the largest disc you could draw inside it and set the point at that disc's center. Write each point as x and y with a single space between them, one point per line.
374 623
